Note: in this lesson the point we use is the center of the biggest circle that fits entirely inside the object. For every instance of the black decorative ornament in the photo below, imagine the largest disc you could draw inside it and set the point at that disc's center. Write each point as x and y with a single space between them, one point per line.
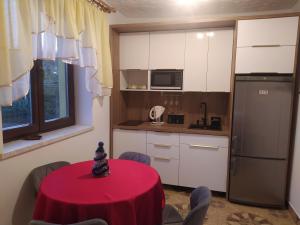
100 168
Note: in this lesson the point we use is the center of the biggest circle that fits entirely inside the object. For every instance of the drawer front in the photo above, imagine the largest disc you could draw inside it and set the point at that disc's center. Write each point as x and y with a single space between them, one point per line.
162 138
204 141
265 59
276 31
163 150
128 141
167 169
200 166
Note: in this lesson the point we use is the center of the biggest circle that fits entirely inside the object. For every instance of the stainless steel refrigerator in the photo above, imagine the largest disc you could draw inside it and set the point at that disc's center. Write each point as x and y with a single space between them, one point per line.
260 140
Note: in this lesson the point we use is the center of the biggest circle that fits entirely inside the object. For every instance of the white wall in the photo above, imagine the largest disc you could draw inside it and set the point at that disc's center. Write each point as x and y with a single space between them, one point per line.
16 195
295 182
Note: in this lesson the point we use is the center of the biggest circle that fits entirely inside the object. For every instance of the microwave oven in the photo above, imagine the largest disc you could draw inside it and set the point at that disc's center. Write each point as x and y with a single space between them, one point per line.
166 79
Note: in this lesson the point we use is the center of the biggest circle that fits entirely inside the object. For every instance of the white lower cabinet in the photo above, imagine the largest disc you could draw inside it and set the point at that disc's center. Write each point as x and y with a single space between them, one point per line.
164 151
188 160
163 138
167 169
203 161
128 141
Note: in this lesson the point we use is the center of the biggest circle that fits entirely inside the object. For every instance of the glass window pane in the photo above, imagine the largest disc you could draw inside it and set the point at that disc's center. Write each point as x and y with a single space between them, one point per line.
18 115
55 82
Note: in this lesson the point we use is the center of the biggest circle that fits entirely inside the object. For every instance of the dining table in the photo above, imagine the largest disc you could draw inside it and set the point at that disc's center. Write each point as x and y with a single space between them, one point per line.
131 194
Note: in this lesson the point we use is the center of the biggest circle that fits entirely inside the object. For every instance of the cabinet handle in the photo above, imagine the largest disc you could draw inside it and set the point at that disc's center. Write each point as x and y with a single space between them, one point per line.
162 146
162 158
265 46
205 146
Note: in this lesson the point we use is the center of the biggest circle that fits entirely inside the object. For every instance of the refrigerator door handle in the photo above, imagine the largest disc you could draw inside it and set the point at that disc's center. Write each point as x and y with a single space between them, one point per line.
233 166
234 148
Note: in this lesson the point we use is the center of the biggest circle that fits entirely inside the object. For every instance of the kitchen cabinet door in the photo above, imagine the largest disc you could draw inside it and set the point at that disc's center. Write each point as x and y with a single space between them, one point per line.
163 138
203 162
128 140
167 169
163 148
194 77
265 59
134 51
219 61
167 50
262 32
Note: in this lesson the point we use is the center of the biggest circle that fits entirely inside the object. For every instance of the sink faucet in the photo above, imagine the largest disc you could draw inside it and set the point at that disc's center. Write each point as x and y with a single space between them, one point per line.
204 110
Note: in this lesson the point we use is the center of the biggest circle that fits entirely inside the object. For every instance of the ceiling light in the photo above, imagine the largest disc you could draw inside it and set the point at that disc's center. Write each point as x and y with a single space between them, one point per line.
200 35
188 2
185 2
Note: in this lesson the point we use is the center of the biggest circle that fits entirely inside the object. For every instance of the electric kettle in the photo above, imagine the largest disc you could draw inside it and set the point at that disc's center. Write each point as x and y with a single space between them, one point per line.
156 113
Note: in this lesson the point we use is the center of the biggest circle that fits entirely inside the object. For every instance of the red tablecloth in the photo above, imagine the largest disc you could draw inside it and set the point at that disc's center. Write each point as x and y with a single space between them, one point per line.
131 195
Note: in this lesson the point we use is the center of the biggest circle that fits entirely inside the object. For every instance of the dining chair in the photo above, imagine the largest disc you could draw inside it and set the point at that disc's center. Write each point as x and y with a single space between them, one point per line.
199 202
87 222
136 156
39 173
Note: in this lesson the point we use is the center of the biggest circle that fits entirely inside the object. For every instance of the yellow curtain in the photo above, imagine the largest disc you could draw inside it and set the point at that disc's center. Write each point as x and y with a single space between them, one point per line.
106 54
66 19
15 41
4 49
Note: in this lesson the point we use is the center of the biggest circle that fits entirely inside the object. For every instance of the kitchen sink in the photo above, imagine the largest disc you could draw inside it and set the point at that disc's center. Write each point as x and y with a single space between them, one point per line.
202 127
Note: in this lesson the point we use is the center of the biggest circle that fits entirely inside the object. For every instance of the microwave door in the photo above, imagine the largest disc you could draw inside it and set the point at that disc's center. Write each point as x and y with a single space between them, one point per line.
161 80
166 80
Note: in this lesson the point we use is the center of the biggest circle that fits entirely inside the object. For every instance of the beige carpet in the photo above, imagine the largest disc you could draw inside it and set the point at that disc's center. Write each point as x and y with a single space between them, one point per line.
222 212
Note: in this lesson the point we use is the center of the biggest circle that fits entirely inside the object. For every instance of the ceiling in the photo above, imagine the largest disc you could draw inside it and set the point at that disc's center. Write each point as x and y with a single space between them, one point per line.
171 8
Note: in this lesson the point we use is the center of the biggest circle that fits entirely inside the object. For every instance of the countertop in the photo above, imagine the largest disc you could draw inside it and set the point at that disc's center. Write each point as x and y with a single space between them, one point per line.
173 128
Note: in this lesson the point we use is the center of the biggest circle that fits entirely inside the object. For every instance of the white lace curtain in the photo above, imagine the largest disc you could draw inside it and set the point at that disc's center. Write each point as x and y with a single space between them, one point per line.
72 30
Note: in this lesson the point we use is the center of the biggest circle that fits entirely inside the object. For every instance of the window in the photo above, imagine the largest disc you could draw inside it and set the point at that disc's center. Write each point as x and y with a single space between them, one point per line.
49 105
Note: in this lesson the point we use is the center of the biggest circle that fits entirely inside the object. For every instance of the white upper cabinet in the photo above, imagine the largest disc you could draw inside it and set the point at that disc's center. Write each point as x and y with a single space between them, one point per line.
208 58
266 45
265 59
260 32
134 51
195 61
167 50
219 61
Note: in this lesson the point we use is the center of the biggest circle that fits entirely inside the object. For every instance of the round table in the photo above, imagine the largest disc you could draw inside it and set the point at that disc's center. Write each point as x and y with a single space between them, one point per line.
131 195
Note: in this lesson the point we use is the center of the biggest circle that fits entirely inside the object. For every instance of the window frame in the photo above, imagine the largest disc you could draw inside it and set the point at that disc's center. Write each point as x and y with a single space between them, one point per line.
62 122
38 124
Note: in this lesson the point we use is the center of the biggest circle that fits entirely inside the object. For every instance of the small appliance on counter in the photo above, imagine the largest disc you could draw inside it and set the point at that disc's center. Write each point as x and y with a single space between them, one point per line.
215 123
176 119
156 114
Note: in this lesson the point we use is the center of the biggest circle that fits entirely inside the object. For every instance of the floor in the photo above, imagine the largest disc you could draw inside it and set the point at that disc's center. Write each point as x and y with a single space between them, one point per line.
222 212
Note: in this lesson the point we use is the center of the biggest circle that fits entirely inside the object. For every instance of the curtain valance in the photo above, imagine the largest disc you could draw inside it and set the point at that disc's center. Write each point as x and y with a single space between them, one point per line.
72 30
